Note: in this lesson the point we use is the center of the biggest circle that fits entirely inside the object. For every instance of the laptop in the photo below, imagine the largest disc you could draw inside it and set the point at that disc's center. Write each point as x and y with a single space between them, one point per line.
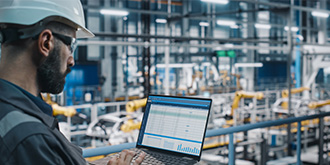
173 129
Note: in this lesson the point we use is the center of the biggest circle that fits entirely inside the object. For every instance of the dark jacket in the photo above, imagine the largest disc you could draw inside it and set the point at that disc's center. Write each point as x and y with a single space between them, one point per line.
29 136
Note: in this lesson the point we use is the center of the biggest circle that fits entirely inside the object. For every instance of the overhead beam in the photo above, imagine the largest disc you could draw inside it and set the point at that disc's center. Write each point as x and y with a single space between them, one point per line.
283 5
182 38
151 12
214 46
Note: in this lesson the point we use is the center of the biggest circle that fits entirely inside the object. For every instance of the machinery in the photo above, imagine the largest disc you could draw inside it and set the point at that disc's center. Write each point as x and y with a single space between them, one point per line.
225 78
298 104
242 94
59 110
238 84
118 127
314 105
285 94
131 107
106 129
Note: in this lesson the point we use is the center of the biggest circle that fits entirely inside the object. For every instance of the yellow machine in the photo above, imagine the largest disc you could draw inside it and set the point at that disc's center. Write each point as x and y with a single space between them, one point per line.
58 110
238 84
224 77
314 105
242 94
285 94
130 108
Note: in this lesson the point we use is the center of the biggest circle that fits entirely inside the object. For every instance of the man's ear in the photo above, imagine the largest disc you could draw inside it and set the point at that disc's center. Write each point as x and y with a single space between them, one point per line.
45 42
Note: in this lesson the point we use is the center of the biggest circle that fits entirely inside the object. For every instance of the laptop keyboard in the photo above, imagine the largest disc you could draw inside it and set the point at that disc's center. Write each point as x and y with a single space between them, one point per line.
160 158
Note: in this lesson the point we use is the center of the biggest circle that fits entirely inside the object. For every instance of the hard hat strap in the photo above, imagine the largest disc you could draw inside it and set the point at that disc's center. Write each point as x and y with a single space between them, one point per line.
9 35
13 34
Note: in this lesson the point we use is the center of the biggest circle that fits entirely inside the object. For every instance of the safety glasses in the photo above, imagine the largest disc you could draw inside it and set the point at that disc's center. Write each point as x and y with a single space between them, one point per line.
69 41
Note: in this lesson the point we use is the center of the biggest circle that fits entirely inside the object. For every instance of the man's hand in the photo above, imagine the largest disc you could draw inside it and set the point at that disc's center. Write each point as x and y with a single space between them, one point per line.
126 157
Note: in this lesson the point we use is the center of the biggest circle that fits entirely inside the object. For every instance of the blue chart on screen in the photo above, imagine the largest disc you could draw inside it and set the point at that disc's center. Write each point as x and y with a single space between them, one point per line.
188 149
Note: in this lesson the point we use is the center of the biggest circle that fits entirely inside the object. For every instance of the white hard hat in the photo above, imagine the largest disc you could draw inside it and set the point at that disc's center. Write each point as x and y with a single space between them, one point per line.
29 12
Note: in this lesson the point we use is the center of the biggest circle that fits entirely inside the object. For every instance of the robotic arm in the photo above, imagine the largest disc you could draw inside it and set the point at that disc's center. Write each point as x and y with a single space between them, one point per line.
242 94
130 108
285 94
314 105
59 110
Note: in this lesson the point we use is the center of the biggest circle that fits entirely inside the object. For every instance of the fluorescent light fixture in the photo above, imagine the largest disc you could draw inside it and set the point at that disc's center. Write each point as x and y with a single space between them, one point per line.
113 12
241 65
159 20
218 48
183 65
204 24
262 26
224 2
293 28
226 23
229 45
320 14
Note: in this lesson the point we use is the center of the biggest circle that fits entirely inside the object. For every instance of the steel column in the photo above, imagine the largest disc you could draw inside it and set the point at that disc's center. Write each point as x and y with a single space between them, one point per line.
146 49
264 151
321 141
299 144
167 53
231 150
288 72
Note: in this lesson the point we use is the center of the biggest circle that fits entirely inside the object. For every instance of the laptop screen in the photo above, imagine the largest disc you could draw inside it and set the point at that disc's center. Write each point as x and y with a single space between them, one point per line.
175 124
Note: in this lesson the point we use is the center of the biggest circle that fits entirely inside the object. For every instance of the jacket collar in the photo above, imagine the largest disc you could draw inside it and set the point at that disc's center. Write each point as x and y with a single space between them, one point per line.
12 95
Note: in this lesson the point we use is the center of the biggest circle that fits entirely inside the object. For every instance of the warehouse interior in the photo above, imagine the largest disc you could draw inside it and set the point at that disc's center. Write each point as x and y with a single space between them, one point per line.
264 63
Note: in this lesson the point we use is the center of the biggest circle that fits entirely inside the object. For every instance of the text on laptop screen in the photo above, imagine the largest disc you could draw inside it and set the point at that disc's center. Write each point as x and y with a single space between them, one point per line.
175 124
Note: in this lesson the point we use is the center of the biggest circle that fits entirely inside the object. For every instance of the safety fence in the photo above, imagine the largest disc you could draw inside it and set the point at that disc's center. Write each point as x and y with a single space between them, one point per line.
230 131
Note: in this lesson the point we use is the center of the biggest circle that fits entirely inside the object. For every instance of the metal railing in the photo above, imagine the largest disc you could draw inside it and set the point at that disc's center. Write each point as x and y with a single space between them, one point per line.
230 131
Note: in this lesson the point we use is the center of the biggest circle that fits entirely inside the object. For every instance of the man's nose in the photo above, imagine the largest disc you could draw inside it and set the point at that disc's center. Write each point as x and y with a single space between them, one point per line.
71 61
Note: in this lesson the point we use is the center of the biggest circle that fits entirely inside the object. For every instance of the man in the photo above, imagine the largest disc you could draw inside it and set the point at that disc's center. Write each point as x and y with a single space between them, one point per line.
37 41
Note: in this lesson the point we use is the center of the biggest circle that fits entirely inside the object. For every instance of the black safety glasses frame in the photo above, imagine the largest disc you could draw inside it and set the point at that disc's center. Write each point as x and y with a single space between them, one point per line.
69 41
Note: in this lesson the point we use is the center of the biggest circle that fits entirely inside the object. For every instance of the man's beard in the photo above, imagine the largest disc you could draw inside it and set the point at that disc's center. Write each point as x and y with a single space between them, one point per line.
50 78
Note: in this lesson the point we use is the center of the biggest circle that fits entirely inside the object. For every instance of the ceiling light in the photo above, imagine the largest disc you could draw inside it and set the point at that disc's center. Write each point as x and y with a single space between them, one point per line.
240 65
114 12
229 45
218 48
226 23
320 14
224 2
293 28
262 26
159 20
204 24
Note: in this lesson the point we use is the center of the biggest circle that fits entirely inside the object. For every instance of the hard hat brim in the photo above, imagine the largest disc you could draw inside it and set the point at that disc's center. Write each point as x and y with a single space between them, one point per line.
84 33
